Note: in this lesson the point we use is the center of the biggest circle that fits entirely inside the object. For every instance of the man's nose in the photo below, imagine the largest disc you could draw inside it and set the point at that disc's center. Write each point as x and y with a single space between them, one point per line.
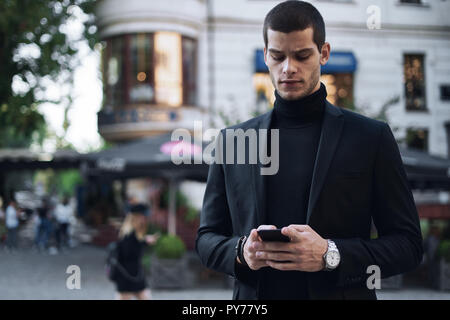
289 66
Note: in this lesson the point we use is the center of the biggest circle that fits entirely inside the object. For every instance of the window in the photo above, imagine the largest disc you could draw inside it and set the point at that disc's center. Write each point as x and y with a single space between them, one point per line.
417 2
141 63
414 3
445 92
112 72
168 77
417 139
339 89
414 80
189 50
149 68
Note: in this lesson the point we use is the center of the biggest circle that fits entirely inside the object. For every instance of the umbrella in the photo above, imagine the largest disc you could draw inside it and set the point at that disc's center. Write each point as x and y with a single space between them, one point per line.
151 157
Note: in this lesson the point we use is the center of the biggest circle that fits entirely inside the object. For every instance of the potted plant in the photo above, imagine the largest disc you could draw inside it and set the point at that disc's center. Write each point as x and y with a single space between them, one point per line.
168 266
444 264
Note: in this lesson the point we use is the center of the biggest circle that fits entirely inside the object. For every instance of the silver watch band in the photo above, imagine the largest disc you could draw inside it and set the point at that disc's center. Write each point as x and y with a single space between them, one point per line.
331 247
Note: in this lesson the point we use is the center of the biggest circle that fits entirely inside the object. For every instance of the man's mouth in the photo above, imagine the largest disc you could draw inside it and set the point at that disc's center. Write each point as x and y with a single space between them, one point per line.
291 82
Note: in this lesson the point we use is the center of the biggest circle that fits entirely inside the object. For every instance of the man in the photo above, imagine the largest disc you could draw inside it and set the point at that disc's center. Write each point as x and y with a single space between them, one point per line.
12 224
338 172
63 215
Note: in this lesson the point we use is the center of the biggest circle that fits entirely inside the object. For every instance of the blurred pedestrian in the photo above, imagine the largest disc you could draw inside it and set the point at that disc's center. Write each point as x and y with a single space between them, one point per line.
431 246
130 281
63 216
12 224
43 229
2 212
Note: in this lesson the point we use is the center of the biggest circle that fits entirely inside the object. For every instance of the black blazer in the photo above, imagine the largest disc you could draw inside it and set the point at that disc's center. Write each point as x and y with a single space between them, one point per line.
358 178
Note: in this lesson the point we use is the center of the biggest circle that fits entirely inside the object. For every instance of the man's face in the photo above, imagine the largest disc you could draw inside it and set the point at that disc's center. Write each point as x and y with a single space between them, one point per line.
294 62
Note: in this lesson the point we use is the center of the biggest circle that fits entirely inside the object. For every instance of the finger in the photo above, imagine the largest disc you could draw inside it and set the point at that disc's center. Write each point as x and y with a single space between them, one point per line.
266 227
276 256
253 235
273 246
292 233
300 227
285 266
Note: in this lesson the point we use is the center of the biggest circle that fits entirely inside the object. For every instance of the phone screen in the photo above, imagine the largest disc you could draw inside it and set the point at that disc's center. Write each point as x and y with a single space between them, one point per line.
273 235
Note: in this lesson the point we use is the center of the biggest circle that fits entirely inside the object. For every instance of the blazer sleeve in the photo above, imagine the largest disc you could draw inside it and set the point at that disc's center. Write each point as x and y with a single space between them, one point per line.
215 242
399 246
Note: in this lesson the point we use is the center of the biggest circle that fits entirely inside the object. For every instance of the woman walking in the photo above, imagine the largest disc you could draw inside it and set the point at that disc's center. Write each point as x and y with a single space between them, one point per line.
130 279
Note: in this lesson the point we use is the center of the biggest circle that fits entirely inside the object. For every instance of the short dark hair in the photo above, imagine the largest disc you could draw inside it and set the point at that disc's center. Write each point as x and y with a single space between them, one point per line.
294 15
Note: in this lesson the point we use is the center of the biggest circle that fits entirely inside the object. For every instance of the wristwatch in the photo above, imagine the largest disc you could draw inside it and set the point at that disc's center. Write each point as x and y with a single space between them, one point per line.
331 257
240 250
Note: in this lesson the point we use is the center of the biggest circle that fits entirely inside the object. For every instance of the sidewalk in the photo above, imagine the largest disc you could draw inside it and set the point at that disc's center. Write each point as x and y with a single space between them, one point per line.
29 275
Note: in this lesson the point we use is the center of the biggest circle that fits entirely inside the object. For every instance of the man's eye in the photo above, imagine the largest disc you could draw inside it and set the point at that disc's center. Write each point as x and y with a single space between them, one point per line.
302 57
277 58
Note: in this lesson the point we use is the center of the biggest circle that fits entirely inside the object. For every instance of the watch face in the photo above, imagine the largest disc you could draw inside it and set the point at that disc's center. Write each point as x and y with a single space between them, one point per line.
333 259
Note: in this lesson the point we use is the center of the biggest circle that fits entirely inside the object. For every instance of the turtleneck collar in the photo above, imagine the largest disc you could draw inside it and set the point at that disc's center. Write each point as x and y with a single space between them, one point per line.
292 113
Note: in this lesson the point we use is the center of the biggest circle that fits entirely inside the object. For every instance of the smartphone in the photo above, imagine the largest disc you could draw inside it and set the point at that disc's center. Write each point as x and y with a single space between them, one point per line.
273 235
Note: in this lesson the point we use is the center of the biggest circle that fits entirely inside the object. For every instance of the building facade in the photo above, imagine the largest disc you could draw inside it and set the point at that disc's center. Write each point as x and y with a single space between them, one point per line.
168 63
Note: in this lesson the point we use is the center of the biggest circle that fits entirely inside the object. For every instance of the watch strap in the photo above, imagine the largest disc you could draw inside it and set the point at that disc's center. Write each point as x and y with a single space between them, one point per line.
331 247
240 250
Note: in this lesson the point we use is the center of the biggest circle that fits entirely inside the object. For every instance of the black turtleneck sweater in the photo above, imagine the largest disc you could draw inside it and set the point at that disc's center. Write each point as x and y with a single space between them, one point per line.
300 123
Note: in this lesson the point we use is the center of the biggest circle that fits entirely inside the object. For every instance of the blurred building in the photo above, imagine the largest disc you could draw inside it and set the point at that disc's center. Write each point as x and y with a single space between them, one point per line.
167 63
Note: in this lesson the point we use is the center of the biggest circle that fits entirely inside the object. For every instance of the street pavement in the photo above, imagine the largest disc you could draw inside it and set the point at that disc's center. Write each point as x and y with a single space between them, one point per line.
30 275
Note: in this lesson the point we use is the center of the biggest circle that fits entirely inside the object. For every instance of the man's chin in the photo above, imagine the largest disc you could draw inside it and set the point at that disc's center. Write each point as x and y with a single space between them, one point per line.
291 95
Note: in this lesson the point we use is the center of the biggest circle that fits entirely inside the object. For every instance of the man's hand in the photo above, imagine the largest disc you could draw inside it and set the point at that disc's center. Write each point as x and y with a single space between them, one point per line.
250 250
303 253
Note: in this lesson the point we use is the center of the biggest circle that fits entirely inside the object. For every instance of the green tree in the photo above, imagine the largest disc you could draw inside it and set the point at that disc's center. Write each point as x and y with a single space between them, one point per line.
37 49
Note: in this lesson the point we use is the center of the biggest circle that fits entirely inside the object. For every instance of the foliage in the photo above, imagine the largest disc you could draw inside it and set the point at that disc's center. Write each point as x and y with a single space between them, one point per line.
181 200
444 250
37 50
380 115
146 259
232 118
191 214
68 180
153 228
170 247
63 182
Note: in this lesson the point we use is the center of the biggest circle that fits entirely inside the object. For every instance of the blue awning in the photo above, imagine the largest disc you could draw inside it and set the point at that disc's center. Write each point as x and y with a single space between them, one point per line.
260 65
339 62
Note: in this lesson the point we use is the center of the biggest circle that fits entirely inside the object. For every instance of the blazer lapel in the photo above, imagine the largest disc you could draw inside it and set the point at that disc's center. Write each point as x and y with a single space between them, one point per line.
259 181
331 132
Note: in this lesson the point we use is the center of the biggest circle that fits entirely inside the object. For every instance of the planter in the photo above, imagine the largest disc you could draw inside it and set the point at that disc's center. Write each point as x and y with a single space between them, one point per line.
394 282
444 275
168 273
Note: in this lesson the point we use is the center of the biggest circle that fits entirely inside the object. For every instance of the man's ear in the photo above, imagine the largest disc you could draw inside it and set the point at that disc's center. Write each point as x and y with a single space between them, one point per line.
325 54
265 57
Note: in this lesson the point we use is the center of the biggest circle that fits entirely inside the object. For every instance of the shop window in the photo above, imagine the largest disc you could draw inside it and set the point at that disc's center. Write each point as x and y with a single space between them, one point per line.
113 72
417 139
339 89
265 91
189 51
150 68
414 73
141 81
